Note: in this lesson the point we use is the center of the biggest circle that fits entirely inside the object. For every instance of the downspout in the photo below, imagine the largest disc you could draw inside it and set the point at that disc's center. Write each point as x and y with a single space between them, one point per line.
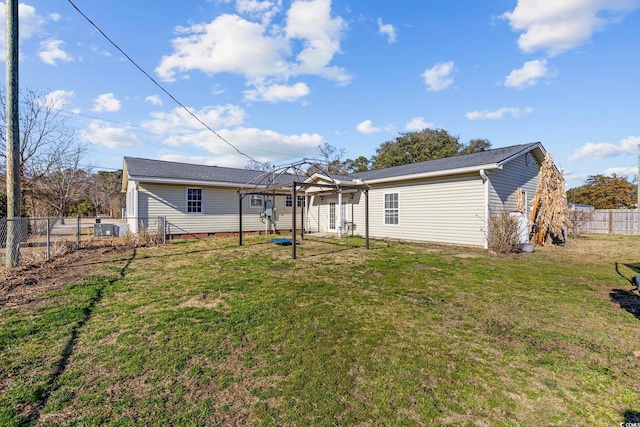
485 181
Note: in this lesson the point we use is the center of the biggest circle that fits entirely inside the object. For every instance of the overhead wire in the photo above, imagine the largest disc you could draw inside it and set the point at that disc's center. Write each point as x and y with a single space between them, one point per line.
158 84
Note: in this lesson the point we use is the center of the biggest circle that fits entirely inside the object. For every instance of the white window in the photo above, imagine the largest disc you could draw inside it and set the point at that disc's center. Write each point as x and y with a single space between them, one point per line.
289 201
391 209
255 201
194 201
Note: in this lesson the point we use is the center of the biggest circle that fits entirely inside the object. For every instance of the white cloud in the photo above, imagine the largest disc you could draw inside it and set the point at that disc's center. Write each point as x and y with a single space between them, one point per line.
58 99
367 127
499 113
311 22
603 150
387 30
267 145
418 123
275 93
557 26
55 17
529 75
227 44
106 53
263 10
30 21
180 121
628 172
106 103
438 77
154 100
51 52
103 133
305 42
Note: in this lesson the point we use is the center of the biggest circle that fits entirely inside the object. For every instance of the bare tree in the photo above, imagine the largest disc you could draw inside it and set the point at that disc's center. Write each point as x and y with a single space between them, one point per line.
105 191
45 140
64 183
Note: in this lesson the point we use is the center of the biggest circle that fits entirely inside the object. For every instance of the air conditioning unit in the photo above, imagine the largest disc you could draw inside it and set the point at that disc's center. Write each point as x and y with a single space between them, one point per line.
105 230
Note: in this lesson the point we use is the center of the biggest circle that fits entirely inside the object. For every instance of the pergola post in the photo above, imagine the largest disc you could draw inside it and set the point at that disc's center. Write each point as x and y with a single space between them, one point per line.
240 197
366 218
293 219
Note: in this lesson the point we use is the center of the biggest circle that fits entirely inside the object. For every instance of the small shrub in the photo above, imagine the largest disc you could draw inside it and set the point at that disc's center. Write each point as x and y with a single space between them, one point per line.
578 219
504 233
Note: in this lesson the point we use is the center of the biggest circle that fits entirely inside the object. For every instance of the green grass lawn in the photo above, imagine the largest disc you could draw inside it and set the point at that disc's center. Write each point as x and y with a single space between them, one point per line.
207 333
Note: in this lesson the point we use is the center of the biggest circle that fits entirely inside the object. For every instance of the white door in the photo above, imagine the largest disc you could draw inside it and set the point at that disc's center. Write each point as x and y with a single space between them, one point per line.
332 216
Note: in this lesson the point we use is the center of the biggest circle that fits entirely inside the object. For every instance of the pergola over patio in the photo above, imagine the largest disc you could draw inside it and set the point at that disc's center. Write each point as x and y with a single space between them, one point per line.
317 184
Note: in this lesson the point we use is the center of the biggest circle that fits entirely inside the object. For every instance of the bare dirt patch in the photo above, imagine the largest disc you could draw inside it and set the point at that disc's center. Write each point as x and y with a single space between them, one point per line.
22 288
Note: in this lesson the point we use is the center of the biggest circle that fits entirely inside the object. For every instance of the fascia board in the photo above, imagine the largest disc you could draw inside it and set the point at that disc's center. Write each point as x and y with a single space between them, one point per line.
434 174
192 182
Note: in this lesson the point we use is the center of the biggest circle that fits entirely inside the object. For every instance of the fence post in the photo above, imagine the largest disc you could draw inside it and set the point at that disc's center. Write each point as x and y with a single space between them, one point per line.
164 231
48 239
78 234
610 221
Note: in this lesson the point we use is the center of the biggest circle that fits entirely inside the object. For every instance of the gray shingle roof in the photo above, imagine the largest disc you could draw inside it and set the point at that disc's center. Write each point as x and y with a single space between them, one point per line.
159 169
488 157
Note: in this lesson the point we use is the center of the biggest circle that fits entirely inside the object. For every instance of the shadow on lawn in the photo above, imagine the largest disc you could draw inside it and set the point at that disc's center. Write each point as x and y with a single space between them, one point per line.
632 417
52 385
627 299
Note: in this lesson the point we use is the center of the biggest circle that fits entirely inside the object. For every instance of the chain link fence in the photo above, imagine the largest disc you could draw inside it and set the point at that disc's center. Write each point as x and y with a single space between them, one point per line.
37 240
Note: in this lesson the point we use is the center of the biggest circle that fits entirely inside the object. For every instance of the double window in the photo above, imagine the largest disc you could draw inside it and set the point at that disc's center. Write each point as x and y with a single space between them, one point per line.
289 201
391 209
194 201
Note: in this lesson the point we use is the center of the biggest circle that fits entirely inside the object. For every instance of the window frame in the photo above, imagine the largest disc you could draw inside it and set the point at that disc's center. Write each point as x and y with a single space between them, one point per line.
288 201
387 212
253 197
201 201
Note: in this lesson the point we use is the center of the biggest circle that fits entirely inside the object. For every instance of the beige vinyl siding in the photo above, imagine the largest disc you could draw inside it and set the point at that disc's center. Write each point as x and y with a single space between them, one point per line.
504 183
445 210
220 209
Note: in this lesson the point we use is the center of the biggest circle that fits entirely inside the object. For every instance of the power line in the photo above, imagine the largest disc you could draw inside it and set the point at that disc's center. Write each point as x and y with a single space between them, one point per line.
158 84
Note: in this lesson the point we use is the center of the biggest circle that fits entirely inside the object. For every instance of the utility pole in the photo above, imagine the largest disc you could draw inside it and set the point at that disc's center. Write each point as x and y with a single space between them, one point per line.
638 179
13 137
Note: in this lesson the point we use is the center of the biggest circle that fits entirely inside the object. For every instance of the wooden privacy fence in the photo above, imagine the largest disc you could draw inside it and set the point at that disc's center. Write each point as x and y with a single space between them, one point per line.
613 221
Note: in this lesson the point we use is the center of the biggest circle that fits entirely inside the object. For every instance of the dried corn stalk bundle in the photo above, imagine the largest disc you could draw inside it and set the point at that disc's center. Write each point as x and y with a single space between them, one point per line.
550 213
520 200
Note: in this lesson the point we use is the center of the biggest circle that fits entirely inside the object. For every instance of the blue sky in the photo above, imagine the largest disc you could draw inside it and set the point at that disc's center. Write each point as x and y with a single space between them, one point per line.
277 78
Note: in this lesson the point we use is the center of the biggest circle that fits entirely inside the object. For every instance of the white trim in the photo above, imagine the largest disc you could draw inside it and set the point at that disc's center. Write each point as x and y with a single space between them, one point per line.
384 209
434 174
186 201
257 197
192 182
485 183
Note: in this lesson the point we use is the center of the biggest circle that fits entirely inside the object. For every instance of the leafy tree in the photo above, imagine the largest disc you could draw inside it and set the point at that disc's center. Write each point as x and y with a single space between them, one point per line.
360 164
84 208
427 144
605 192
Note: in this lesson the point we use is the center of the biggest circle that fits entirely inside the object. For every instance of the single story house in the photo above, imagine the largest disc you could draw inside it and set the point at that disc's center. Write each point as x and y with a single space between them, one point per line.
446 200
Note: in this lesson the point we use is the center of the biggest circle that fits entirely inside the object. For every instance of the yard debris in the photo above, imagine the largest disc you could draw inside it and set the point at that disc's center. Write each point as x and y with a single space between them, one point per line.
550 212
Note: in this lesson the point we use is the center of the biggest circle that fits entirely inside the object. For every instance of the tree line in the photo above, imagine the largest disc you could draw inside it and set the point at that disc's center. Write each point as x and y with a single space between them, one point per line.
54 183
53 180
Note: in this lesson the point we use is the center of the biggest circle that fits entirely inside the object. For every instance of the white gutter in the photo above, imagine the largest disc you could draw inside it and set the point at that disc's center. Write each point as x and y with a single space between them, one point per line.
485 182
195 182
434 174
